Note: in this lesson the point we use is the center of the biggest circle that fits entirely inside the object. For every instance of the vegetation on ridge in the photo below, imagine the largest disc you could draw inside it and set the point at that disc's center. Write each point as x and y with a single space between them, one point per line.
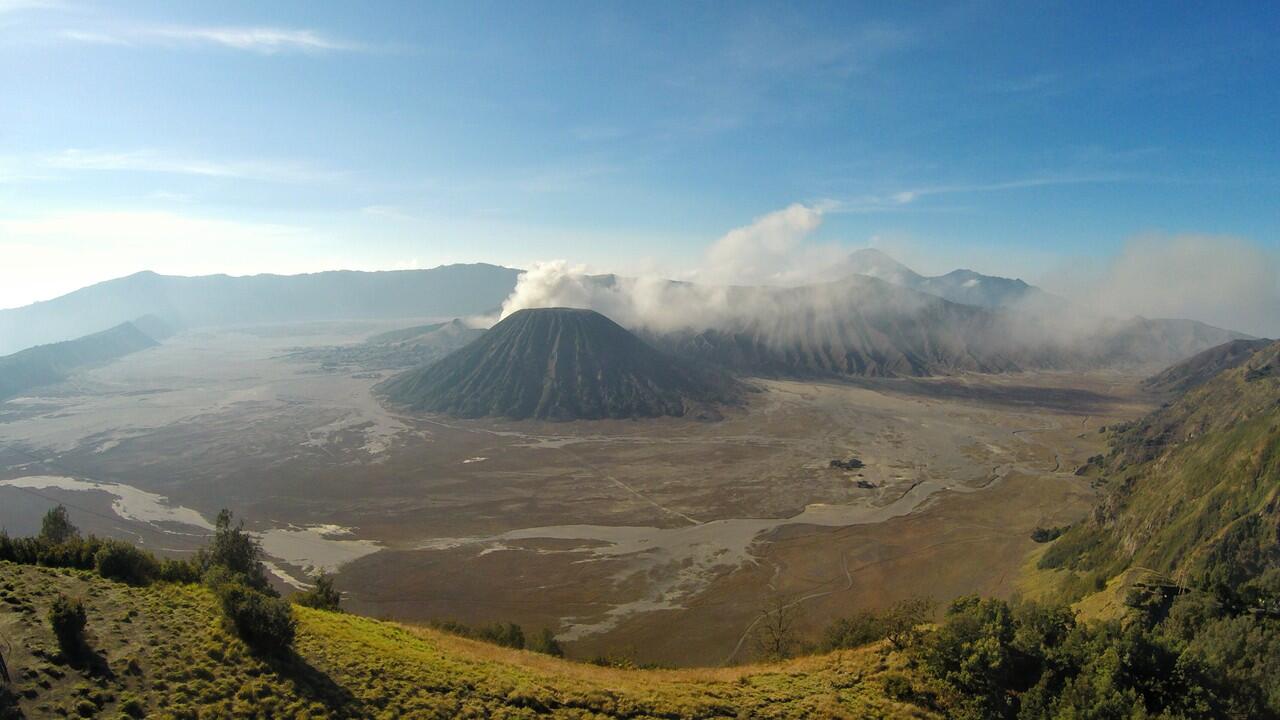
168 655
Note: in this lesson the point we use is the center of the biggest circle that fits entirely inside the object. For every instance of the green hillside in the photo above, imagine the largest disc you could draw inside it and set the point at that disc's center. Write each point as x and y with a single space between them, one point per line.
1183 552
1193 486
161 651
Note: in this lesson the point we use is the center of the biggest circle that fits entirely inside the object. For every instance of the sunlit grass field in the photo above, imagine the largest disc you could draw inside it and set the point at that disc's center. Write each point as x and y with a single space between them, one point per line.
161 651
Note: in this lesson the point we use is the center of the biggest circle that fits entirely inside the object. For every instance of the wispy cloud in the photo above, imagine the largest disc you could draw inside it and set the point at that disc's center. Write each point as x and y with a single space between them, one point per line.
263 40
168 196
565 177
1021 184
899 198
12 6
785 45
93 38
154 162
389 212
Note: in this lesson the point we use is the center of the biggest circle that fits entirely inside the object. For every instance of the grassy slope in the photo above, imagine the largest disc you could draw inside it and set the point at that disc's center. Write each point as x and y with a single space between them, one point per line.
1193 483
161 651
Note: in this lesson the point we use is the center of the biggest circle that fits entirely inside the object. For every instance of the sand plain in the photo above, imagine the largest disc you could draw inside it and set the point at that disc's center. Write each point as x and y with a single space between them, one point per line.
654 539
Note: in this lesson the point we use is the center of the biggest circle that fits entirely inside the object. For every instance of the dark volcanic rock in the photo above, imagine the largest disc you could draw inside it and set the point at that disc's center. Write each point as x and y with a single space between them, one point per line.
560 364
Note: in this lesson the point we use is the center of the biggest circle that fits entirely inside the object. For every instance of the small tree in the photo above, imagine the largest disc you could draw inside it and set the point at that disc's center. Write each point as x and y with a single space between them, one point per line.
505 634
861 628
236 551
777 631
265 623
901 620
321 597
545 642
67 618
119 560
56 528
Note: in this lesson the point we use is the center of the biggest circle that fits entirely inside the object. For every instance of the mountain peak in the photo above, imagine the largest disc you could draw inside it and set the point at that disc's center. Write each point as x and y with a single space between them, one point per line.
963 286
878 264
559 364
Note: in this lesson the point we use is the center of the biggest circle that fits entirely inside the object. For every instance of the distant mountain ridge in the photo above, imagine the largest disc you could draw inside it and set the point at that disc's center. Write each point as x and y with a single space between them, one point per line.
394 350
212 300
434 334
559 364
49 364
1203 367
959 286
866 326
890 321
860 326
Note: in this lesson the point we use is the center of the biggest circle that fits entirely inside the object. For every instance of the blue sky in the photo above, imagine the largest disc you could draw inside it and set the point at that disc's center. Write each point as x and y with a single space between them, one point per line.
1014 138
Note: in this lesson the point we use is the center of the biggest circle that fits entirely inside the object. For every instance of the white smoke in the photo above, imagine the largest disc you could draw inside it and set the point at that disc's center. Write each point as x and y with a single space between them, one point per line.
640 302
775 249
1227 282
1224 281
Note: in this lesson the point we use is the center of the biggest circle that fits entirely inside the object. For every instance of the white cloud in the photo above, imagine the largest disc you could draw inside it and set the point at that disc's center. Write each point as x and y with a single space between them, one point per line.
258 39
93 38
263 40
390 212
13 6
913 194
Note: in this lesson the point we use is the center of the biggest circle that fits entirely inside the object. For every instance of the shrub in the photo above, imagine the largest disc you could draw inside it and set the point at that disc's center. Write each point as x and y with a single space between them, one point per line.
235 550
118 560
321 597
133 706
67 618
19 550
505 634
854 631
179 571
264 622
900 621
56 527
75 552
545 642
899 688
1044 535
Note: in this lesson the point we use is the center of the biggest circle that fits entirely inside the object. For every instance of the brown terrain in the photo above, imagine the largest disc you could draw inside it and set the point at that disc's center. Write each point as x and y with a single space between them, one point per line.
656 539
